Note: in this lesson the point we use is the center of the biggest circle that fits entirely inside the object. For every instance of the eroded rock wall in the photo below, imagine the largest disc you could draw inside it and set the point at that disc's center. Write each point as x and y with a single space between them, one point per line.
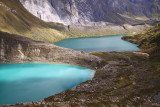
18 49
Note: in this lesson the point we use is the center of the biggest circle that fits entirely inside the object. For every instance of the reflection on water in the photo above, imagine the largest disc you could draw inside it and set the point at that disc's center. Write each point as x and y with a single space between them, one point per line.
33 82
98 44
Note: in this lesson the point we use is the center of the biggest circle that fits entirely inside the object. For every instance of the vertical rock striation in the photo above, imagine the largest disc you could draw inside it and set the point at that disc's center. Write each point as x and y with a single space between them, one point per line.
94 12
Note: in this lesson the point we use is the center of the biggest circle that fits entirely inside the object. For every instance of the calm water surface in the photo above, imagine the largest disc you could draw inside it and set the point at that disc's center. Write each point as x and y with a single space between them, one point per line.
33 82
98 44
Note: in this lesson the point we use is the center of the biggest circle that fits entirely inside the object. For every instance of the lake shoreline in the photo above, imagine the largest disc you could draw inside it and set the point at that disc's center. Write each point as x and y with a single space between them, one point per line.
120 78
54 78
107 43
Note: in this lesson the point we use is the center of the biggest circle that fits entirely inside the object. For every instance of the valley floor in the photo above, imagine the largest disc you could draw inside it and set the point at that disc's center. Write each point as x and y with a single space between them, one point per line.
125 80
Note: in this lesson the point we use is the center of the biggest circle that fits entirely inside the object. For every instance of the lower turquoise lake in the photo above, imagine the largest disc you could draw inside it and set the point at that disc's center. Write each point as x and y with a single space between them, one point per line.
33 82
98 44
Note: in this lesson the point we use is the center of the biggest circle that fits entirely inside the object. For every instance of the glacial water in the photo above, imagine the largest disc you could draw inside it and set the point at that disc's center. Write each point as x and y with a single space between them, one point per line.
32 82
98 44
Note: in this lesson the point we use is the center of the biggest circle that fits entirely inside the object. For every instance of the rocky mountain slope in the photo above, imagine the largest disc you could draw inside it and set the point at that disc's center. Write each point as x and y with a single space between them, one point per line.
15 19
149 40
94 12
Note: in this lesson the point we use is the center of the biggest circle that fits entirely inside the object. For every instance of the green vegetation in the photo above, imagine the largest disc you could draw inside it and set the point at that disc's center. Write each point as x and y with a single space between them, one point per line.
148 40
15 19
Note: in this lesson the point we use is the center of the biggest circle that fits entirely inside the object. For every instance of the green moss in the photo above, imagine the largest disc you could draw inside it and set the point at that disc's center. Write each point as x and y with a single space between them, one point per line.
156 38
148 40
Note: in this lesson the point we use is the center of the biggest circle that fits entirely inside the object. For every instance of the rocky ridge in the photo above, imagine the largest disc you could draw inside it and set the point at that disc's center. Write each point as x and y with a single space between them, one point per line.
18 49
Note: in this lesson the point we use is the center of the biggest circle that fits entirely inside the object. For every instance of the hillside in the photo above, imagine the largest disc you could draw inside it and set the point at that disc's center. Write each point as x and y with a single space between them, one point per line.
15 19
19 49
95 12
148 40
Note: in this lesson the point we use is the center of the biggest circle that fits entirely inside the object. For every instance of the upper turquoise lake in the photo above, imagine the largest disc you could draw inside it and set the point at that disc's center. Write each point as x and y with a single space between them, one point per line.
98 44
33 82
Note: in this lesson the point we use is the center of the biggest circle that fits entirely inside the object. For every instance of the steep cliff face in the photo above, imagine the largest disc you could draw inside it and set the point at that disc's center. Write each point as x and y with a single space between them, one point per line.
87 12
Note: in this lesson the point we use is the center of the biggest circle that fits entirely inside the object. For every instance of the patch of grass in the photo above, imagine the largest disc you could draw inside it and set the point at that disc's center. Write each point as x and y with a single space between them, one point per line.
156 38
15 19
148 40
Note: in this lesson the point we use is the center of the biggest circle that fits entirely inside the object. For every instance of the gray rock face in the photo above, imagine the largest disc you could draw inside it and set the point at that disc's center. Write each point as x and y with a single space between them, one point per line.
18 49
94 12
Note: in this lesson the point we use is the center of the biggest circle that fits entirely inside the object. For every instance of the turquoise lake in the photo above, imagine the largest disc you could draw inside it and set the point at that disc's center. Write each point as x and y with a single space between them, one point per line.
32 82
98 44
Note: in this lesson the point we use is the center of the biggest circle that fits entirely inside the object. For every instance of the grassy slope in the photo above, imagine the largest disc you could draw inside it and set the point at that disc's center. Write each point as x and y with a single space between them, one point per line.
148 40
15 19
